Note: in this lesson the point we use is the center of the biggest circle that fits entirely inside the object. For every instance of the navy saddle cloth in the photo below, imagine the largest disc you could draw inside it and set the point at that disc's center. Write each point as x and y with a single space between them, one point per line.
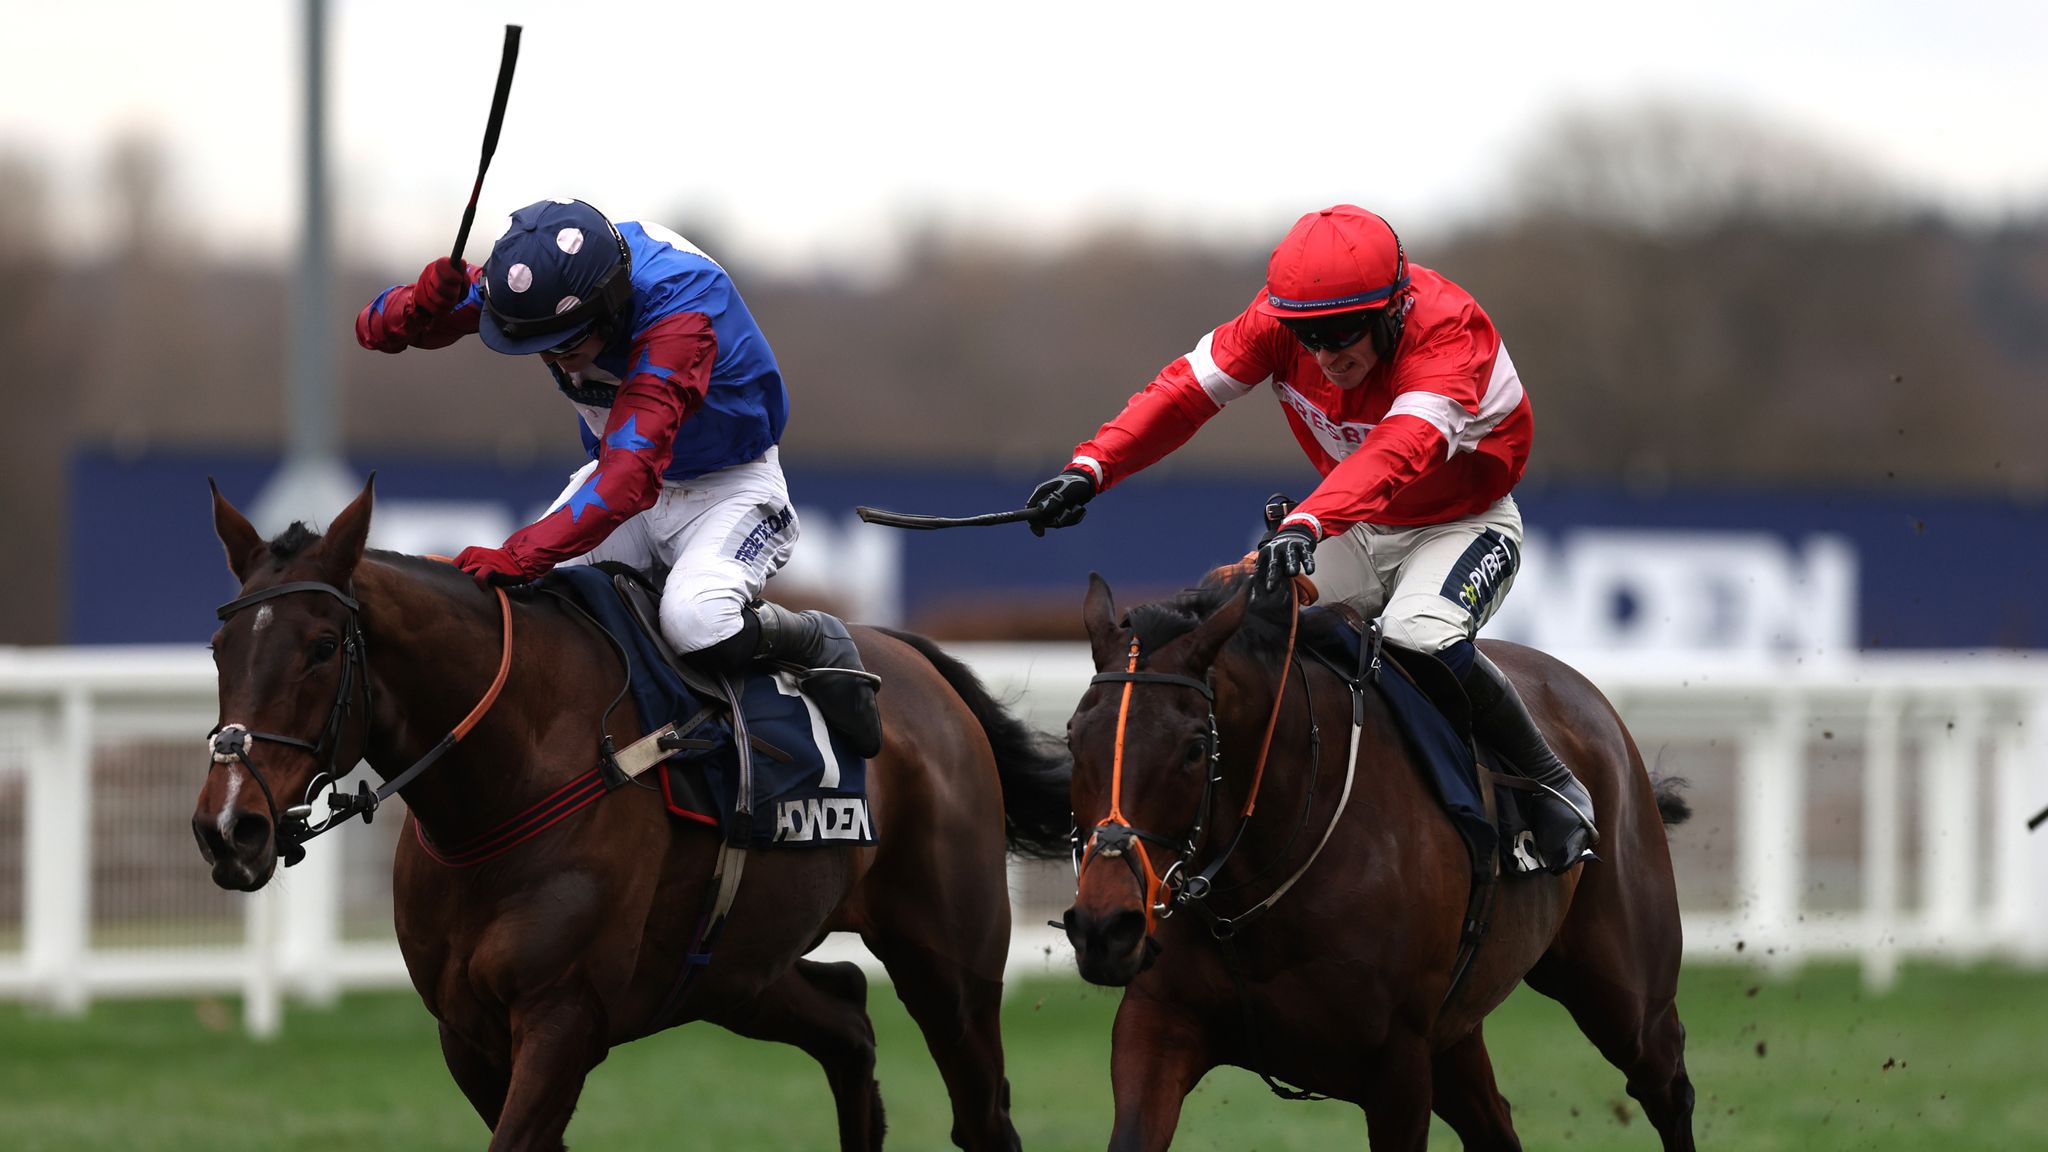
1429 707
808 788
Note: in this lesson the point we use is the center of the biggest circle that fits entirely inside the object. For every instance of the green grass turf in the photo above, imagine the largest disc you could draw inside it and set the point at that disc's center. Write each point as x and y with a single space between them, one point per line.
1950 1060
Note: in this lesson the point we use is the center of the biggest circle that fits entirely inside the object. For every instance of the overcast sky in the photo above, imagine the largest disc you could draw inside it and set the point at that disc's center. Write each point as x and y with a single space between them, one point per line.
814 133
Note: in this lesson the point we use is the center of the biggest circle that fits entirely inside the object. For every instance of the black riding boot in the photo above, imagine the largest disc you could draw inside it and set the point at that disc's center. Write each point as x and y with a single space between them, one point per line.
1564 812
834 679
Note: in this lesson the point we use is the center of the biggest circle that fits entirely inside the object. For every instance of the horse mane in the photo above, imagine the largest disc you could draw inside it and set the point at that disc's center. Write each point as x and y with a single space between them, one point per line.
1262 636
299 538
292 541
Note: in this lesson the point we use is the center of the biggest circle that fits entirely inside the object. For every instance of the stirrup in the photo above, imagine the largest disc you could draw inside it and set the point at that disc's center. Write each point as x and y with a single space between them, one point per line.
1585 821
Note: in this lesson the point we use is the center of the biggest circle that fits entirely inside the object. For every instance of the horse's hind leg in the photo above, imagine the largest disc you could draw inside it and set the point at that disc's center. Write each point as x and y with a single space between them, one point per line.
960 1014
1466 1096
822 1009
1638 1031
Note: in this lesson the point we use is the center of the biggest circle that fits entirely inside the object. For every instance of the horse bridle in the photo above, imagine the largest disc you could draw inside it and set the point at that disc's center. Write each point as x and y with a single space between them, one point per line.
229 742
1115 836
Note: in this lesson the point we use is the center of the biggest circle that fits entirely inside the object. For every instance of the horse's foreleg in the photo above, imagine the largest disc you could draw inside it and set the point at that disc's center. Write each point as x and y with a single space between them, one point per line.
556 1040
1157 1054
822 1009
1396 1094
484 1080
1469 1100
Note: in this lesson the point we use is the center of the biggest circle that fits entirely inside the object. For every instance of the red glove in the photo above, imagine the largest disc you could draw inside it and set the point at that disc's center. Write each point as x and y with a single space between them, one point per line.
409 311
441 287
491 566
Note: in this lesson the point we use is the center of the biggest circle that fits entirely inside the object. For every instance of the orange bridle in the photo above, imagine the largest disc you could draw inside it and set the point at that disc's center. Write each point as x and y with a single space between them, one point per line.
1115 836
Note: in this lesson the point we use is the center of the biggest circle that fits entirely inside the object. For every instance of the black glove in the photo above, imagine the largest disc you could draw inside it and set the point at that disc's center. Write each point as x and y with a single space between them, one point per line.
1289 553
1059 500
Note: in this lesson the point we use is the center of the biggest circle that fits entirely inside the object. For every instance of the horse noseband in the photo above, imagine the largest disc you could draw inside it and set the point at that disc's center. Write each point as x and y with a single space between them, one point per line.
1114 840
228 743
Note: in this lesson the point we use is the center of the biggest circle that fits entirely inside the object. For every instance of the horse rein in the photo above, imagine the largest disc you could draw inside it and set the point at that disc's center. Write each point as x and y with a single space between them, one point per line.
229 742
1115 836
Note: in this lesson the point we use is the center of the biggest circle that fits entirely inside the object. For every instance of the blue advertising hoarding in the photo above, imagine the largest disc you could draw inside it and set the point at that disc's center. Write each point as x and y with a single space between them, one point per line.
1790 570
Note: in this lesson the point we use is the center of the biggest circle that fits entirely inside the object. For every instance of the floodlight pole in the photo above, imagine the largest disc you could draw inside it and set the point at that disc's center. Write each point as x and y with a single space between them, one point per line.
313 482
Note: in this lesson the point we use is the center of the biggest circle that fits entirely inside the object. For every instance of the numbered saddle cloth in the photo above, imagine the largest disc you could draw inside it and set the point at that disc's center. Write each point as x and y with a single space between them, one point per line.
800 784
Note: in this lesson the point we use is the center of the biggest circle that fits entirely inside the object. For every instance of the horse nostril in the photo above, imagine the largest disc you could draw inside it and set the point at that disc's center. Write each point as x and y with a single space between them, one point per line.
251 832
1122 931
210 845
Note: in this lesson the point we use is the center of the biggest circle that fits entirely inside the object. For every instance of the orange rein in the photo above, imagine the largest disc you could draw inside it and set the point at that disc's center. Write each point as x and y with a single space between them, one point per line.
1153 879
1116 813
476 714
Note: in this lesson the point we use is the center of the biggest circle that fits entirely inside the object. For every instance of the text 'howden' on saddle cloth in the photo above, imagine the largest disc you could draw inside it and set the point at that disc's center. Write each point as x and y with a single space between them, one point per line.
808 787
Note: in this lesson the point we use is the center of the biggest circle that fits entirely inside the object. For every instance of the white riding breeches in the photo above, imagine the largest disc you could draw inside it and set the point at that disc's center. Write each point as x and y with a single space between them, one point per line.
721 536
1432 585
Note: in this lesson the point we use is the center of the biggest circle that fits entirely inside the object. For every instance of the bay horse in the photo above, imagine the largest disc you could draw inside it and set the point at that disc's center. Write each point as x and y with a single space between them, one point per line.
539 960
1205 712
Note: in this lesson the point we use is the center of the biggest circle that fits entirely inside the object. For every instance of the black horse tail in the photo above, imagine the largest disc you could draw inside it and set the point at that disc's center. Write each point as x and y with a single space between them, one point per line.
1036 770
1672 807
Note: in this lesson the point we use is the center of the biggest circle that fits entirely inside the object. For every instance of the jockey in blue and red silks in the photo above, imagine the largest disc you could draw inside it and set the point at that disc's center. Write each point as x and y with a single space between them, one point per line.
681 406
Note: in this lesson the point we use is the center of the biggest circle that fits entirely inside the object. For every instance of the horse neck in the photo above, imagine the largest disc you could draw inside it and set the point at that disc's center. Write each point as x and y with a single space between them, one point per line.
1278 836
434 648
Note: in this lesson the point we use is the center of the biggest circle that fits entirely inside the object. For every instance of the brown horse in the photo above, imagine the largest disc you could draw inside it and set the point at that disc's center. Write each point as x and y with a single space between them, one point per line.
1339 984
539 960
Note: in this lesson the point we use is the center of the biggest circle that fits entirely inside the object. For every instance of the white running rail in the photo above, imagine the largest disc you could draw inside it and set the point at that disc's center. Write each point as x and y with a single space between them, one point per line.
1870 809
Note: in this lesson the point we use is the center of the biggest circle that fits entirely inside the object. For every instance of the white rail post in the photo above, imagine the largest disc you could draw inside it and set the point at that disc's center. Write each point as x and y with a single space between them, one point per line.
1883 836
1771 830
58 864
2023 854
1952 741
262 991
309 898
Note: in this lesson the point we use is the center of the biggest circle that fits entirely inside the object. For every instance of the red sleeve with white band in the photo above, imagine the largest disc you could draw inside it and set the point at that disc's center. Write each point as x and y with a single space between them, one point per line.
1229 362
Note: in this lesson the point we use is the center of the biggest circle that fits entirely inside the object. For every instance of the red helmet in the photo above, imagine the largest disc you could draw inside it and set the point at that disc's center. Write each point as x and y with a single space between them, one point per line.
1340 259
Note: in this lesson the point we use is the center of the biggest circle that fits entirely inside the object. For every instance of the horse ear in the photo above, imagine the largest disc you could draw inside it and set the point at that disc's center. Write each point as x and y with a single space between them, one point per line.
1208 637
1098 612
239 537
342 548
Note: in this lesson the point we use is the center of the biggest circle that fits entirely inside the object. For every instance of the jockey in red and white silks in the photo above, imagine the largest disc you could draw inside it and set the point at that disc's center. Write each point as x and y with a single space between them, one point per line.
1403 396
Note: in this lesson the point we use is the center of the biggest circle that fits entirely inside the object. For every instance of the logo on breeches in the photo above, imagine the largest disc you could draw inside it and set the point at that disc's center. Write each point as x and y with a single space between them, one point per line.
1479 574
758 538
823 818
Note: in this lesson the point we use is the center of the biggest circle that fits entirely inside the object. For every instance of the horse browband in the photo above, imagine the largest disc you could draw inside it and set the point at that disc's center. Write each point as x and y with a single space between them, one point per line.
1201 686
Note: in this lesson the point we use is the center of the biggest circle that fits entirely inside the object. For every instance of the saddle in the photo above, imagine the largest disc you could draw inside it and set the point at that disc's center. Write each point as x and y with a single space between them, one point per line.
1479 789
750 755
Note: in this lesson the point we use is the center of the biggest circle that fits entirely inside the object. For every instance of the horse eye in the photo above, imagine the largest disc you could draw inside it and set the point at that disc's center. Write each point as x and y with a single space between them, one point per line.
324 650
1198 751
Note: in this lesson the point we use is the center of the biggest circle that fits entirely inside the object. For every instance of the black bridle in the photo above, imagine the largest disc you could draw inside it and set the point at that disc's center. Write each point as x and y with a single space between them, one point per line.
229 742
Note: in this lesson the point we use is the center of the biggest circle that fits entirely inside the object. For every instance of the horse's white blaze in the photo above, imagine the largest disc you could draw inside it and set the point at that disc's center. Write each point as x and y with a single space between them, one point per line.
263 615
227 806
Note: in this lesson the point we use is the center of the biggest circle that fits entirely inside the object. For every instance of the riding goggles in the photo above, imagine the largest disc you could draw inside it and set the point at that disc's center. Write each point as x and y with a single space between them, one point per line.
1331 333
